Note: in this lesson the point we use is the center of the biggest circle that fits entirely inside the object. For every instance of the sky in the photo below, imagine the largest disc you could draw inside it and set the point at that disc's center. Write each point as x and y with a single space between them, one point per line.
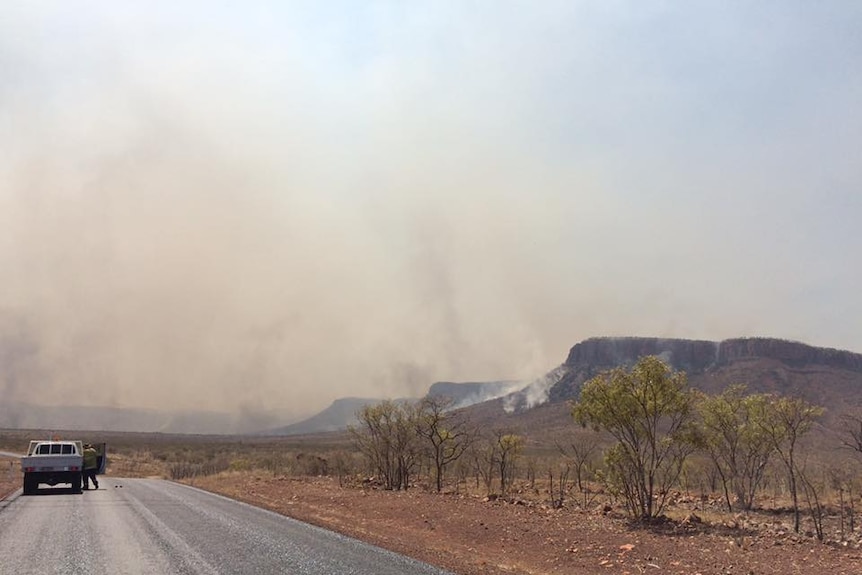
271 205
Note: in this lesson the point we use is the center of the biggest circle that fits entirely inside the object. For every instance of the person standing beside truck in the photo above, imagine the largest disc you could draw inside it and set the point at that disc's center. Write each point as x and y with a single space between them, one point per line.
91 466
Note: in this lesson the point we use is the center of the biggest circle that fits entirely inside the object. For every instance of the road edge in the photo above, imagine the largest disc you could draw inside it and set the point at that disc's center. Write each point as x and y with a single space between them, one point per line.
9 498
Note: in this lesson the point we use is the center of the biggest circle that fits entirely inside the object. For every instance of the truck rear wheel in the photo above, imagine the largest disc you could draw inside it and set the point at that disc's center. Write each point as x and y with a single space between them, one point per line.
31 484
76 483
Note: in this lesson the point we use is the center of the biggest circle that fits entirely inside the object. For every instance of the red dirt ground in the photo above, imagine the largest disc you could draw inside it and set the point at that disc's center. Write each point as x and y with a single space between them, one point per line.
471 535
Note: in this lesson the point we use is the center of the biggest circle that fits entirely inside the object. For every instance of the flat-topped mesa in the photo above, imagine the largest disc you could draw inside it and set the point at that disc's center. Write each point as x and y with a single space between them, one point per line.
695 357
609 352
791 353
700 355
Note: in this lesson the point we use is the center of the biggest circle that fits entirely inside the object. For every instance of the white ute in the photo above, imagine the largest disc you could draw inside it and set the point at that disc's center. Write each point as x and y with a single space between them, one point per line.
54 462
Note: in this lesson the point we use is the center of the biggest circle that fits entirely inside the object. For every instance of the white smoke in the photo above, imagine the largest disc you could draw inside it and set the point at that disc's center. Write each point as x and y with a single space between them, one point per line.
489 395
272 207
534 394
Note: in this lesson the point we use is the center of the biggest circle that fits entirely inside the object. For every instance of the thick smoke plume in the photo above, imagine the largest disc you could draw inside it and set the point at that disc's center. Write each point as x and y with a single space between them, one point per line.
266 209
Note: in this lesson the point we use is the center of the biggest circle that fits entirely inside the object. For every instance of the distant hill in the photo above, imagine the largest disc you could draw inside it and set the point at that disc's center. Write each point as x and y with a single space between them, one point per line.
27 416
336 417
827 377
342 412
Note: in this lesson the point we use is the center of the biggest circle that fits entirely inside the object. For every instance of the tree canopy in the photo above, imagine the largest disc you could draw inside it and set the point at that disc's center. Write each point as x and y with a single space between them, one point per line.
648 410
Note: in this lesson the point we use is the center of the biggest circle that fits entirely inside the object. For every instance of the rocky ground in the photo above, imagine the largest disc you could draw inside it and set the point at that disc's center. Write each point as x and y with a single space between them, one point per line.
473 535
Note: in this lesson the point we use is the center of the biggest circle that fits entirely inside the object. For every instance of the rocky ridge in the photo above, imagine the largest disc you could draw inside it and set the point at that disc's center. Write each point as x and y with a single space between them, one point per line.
765 364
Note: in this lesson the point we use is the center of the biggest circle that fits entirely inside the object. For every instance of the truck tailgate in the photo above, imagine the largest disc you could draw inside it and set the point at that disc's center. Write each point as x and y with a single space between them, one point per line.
51 463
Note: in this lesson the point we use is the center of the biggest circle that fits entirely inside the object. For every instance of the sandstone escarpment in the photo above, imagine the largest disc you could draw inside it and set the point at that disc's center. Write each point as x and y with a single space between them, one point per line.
770 364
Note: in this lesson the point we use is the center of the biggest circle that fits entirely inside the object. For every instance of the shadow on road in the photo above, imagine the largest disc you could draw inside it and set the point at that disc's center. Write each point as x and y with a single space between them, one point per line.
52 491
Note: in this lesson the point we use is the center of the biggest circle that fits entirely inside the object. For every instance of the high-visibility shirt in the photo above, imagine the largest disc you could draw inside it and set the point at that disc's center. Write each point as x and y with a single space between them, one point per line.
91 458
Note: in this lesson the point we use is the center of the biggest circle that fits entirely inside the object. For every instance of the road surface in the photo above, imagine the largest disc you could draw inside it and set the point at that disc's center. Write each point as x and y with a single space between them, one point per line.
149 526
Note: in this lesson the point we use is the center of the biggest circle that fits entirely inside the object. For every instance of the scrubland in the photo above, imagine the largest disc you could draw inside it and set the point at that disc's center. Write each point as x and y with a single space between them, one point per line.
545 523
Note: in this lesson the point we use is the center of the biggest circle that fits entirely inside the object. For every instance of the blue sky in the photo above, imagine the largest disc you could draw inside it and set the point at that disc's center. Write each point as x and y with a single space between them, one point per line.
284 203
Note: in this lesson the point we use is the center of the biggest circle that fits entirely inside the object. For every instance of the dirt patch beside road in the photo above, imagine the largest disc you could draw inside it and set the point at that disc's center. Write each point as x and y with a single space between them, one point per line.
10 476
470 535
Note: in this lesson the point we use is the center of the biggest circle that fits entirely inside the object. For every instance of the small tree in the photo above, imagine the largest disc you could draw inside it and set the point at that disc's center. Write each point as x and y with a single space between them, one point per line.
581 454
558 496
342 465
737 444
496 452
785 420
851 432
843 477
649 411
484 453
812 489
445 434
851 438
509 447
386 436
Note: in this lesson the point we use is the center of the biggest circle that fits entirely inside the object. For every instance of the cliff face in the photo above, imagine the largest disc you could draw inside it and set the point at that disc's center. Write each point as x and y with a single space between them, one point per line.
705 362
699 355
792 353
608 352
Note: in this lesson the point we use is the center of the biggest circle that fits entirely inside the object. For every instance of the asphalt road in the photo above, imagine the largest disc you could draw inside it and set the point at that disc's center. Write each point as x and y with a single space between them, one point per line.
149 526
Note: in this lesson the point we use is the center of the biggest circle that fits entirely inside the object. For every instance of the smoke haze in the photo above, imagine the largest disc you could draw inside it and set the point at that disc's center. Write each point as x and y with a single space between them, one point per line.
271 207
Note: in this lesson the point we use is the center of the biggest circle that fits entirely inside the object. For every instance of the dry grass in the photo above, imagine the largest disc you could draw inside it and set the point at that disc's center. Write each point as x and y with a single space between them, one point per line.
10 476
